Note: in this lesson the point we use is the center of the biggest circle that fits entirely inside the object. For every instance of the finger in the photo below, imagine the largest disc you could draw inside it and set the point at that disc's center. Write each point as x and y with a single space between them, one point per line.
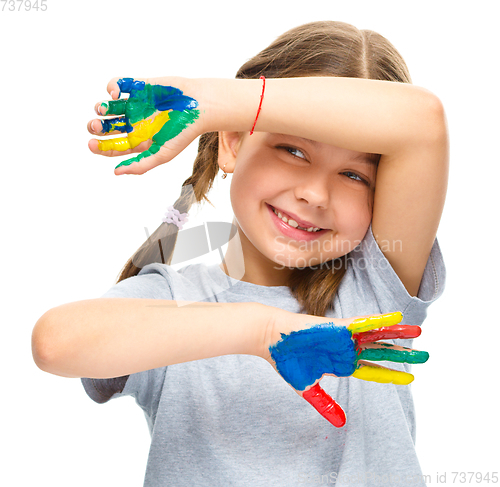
167 125
395 331
126 85
139 132
377 373
111 107
115 90
146 161
143 155
392 353
373 322
110 126
94 147
120 144
325 405
158 153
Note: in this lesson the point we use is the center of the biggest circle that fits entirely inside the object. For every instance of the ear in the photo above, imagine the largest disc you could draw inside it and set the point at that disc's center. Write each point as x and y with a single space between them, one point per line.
229 143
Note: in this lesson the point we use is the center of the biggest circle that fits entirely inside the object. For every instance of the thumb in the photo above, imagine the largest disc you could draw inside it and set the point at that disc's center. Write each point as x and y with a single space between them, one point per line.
325 405
174 136
148 159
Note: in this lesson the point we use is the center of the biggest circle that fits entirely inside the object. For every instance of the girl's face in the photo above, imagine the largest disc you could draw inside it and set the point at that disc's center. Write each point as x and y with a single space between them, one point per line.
317 184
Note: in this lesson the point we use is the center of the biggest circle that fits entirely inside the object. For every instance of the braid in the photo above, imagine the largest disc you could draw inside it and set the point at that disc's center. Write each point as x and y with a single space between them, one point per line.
159 247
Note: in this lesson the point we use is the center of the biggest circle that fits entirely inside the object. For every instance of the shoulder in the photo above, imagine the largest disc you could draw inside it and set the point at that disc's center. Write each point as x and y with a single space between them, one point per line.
373 285
192 283
154 281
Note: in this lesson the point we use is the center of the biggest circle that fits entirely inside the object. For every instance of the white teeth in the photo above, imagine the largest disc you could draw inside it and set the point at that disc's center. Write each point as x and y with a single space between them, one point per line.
293 223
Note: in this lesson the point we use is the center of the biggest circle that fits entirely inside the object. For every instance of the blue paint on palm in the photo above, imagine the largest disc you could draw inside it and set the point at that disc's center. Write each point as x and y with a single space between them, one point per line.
146 99
302 357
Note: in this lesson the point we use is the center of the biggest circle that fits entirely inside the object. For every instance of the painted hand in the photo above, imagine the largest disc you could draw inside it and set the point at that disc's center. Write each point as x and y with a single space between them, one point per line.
152 113
303 357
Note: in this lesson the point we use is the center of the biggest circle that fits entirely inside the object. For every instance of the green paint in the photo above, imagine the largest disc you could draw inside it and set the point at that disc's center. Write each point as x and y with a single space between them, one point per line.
146 101
138 110
177 123
407 356
115 107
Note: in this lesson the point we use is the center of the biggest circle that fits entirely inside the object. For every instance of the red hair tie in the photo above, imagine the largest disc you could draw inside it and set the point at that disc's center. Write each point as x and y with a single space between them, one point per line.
260 104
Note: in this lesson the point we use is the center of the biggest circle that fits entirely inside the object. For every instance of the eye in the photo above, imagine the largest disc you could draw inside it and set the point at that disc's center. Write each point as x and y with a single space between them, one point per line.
354 177
292 150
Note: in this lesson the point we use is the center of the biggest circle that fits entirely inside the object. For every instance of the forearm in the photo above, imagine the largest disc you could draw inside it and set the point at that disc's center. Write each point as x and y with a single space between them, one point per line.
364 115
111 337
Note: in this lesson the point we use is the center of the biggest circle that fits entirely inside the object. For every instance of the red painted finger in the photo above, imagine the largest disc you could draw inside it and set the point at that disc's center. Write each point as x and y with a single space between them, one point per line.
325 405
388 332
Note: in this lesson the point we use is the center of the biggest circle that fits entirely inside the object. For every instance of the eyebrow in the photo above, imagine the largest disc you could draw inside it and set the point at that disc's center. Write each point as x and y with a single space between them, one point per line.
309 141
367 158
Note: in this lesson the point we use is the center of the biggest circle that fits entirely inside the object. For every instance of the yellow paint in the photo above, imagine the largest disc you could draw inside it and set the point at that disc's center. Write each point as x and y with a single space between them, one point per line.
143 130
381 374
374 322
119 144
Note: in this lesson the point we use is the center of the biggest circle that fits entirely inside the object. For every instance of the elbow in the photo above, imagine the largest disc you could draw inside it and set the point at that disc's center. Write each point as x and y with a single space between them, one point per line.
42 344
435 125
45 344
52 348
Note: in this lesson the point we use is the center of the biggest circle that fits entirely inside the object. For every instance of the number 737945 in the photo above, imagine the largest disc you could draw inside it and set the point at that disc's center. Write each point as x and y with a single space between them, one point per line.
26 5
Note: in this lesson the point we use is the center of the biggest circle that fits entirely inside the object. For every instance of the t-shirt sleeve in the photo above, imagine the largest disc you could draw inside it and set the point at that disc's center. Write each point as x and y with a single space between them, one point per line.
145 386
372 267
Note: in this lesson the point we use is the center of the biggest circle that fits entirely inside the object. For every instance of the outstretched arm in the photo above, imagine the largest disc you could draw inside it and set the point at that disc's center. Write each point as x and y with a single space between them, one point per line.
111 337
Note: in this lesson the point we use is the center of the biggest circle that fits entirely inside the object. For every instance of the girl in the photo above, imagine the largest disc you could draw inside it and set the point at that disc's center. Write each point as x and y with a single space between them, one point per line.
337 197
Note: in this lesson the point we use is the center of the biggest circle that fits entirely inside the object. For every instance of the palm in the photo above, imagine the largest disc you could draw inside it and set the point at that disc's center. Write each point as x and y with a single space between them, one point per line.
303 357
153 112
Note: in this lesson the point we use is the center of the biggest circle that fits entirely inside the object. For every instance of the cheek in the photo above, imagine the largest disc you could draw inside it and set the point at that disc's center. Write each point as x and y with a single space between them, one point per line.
247 188
254 180
355 214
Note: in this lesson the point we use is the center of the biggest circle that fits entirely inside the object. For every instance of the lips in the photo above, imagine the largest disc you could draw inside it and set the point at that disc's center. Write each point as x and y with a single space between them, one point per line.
291 232
302 223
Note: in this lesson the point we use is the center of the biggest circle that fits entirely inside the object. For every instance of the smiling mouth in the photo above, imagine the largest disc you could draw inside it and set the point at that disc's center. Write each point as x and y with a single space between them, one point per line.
292 223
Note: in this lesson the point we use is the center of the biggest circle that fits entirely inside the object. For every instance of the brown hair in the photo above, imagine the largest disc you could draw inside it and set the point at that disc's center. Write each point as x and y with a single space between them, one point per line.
326 48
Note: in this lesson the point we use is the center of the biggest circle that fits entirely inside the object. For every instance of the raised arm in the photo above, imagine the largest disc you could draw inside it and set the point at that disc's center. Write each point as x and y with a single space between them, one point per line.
364 115
373 116
404 123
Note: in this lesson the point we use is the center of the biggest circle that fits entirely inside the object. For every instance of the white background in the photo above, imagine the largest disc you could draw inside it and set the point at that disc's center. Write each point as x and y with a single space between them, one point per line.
70 224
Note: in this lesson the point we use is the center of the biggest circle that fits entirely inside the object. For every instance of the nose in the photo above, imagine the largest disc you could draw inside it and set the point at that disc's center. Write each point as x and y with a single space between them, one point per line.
314 189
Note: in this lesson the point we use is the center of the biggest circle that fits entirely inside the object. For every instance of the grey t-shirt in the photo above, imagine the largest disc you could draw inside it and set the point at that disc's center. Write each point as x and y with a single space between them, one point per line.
233 421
